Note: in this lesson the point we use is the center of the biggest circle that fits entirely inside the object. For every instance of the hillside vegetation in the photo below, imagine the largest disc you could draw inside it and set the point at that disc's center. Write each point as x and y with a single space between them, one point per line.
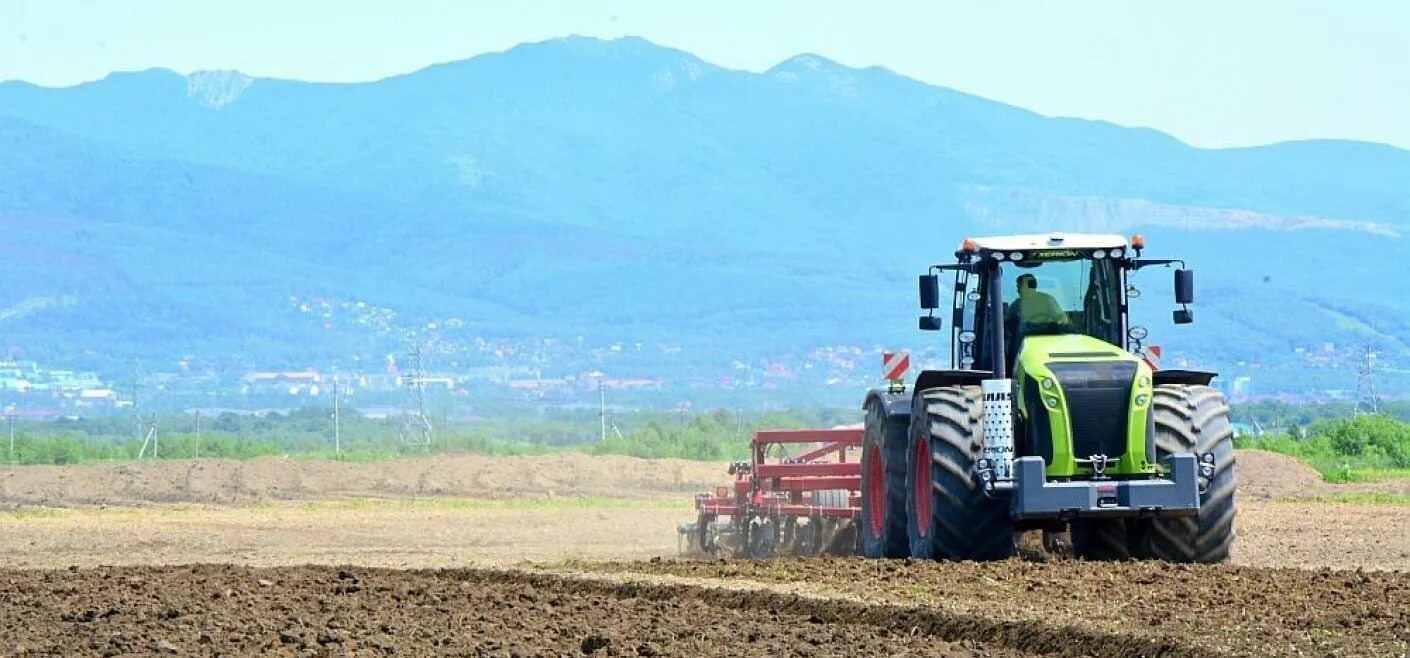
620 191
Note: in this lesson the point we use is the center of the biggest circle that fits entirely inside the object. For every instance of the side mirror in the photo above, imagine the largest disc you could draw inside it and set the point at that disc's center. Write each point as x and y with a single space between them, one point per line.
1184 286
929 291
929 323
1184 316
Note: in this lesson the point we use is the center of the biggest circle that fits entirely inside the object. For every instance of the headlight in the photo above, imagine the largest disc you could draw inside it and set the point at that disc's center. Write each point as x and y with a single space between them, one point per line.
967 336
1142 399
1017 255
1137 332
998 255
1117 253
1144 382
1048 384
1099 254
1051 401
1208 458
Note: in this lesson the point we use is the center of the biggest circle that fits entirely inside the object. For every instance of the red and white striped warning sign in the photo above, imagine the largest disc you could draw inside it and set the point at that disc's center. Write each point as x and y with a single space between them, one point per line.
895 364
1152 354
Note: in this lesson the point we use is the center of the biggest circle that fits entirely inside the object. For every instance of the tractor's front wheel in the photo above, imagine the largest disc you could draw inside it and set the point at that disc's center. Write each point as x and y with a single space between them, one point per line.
949 516
1193 419
883 485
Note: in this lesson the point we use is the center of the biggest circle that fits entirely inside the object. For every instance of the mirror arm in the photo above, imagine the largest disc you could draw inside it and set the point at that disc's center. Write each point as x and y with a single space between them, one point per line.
972 268
1139 263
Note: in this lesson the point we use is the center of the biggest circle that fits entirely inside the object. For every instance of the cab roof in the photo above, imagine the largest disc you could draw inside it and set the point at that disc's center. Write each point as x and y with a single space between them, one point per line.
1050 241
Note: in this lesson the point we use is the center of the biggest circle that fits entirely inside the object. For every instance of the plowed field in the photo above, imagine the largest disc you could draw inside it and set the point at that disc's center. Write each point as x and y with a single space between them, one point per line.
164 561
313 611
1117 609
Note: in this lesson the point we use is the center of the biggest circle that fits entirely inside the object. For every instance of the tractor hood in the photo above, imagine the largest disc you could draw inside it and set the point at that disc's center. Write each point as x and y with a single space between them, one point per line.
1080 397
1039 350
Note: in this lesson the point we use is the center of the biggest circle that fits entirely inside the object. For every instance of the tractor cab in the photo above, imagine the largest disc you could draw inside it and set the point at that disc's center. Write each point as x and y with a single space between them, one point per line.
1049 292
1007 289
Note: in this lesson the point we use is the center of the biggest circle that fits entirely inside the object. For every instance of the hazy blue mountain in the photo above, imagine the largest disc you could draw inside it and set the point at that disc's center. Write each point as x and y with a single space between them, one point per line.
622 191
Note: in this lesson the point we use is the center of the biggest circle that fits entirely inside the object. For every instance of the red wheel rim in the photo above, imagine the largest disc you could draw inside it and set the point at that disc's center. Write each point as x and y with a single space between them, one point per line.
920 486
876 492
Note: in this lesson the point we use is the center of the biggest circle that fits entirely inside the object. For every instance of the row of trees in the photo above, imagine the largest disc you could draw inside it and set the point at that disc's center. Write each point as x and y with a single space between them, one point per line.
1345 449
715 435
1340 447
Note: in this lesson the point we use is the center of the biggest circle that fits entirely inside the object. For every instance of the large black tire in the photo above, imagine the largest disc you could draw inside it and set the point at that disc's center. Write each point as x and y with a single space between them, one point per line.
1101 539
947 435
1193 419
883 485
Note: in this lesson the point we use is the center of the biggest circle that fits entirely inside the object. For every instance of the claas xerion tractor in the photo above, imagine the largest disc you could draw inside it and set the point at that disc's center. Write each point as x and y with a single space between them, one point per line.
1049 419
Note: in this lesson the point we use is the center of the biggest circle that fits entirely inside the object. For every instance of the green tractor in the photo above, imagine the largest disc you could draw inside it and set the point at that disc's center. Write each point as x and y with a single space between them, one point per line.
1049 419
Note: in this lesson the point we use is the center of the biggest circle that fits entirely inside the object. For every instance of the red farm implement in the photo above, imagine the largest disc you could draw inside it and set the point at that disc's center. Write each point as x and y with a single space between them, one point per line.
805 503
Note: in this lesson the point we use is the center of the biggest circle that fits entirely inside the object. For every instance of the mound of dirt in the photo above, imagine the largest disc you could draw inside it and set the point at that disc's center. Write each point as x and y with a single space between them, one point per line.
219 481
1269 475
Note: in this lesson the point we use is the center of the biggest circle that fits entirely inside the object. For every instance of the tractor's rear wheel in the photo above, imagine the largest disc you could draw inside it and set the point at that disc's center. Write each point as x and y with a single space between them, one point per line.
1101 539
883 485
1193 419
949 517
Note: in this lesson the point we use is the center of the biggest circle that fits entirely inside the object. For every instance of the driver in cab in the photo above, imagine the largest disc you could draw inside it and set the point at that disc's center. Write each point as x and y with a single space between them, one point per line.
1036 310
1033 312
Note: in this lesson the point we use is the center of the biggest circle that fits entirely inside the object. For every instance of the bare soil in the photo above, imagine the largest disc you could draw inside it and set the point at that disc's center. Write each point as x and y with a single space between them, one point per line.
392 534
266 479
1125 609
1269 476
312 611
441 533
105 567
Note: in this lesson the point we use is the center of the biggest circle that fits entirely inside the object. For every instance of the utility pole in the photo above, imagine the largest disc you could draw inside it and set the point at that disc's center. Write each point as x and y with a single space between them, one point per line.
1367 401
417 429
136 407
337 428
601 408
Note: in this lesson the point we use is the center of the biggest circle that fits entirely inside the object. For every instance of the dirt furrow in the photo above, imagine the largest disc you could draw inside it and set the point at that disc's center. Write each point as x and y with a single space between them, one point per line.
1107 608
1029 636
311 611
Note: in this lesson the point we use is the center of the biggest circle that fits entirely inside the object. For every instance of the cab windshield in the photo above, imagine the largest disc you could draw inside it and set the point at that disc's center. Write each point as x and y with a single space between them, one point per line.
1079 296
1057 297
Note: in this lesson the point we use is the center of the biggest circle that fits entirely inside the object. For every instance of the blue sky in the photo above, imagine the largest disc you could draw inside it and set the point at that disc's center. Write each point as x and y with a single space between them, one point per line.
1211 73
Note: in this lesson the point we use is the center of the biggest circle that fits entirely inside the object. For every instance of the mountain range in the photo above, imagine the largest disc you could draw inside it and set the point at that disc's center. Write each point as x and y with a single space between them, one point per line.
622 191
